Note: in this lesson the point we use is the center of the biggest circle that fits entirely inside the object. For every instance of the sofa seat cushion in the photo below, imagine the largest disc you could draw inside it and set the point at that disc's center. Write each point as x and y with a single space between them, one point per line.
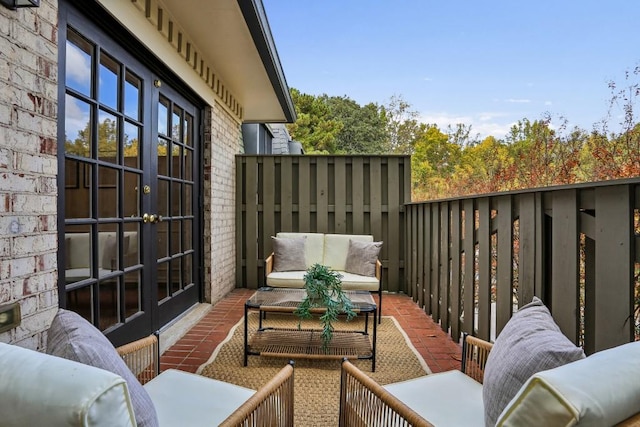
286 279
336 249
313 248
185 399
445 399
356 282
601 390
42 390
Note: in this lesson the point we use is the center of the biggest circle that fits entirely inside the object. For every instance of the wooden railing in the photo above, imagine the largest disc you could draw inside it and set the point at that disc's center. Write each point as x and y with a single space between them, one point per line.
472 261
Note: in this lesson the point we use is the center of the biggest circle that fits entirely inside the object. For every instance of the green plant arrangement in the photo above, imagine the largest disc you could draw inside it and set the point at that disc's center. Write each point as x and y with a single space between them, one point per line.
324 290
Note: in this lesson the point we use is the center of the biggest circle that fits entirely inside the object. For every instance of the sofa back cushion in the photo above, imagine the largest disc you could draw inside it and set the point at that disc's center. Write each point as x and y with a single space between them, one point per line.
601 390
336 248
42 390
314 246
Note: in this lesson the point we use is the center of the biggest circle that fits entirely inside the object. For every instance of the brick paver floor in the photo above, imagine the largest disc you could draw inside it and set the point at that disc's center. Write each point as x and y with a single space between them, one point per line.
195 348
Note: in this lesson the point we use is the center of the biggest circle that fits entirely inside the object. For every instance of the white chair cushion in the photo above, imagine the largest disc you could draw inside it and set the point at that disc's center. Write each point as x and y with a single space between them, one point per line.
336 248
185 399
446 399
314 246
355 282
37 389
601 390
286 279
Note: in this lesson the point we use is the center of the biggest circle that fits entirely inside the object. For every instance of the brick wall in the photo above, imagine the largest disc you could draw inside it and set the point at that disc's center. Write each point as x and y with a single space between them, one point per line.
28 168
222 141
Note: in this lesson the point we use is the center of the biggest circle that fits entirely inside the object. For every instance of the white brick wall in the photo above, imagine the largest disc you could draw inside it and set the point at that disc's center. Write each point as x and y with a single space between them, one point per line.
28 168
223 140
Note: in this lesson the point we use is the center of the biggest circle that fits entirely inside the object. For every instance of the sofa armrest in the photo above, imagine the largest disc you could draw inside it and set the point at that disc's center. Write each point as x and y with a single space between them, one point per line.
378 270
268 264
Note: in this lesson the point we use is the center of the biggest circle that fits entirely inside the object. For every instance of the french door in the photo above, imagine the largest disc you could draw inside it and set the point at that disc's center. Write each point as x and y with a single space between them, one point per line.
128 260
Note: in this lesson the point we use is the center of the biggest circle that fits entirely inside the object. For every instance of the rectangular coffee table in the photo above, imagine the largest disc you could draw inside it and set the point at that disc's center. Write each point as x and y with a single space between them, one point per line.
307 343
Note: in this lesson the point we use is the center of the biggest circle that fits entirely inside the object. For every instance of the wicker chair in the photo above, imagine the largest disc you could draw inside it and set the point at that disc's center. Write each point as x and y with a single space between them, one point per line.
364 402
271 405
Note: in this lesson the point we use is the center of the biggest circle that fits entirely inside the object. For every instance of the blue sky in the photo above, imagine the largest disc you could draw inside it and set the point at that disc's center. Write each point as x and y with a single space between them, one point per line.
482 63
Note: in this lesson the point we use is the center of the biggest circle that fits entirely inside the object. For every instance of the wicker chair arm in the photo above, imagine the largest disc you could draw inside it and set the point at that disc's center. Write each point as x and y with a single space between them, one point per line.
365 402
268 264
475 352
142 357
271 405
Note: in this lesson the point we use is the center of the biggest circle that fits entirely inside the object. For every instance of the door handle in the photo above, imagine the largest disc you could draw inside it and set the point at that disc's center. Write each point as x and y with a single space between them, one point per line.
151 218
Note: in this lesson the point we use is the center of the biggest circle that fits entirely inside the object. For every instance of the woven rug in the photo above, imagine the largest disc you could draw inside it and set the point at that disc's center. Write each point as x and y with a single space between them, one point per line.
317 382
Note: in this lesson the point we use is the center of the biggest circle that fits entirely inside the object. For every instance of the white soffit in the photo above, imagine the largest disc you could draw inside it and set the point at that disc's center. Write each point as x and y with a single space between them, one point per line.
222 39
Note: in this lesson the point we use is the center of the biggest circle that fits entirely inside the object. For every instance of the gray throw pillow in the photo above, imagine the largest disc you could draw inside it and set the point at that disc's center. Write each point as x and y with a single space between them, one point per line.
288 254
72 337
529 343
362 257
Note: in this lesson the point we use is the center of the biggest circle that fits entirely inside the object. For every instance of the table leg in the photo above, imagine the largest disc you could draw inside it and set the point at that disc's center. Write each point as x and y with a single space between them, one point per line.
246 334
375 336
366 323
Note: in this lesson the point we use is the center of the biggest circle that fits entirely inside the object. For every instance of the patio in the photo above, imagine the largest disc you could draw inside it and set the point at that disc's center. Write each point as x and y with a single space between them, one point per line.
195 347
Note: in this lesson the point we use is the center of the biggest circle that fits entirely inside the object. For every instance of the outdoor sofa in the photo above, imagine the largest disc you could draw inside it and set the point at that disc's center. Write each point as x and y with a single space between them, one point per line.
524 379
354 256
87 382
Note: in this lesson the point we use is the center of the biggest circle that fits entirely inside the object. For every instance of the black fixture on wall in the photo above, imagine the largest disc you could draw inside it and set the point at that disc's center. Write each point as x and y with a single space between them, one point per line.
14 4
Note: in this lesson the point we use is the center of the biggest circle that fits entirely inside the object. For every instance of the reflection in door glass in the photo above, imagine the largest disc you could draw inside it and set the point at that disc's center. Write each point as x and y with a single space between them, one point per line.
163 281
78 245
78 63
163 158
188 165
77 199
176 237
107 192
187 236
132 300
108 81
163 197
131 194
77 127
187 270
176 160
108 137
131 143
163 239
132 101
176 275
109 298
131 254
176 123
163 116
188 130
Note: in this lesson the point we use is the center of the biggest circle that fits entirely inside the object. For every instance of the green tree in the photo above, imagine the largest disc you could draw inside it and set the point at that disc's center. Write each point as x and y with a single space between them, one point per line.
315 127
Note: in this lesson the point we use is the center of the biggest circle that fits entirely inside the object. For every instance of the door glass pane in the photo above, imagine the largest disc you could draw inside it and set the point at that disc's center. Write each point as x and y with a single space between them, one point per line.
79 300
78 248
163 197
176 198
77 127
108 81
108 137
187 270
187 204
107 192
176 124
77 197
188 130
187 235
163 158
109 248
188 165
132 101
163 116
109 303
176 237
163 281
132 291
176 160
132 191
131 142
176 275
131 244
78 63
163 239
